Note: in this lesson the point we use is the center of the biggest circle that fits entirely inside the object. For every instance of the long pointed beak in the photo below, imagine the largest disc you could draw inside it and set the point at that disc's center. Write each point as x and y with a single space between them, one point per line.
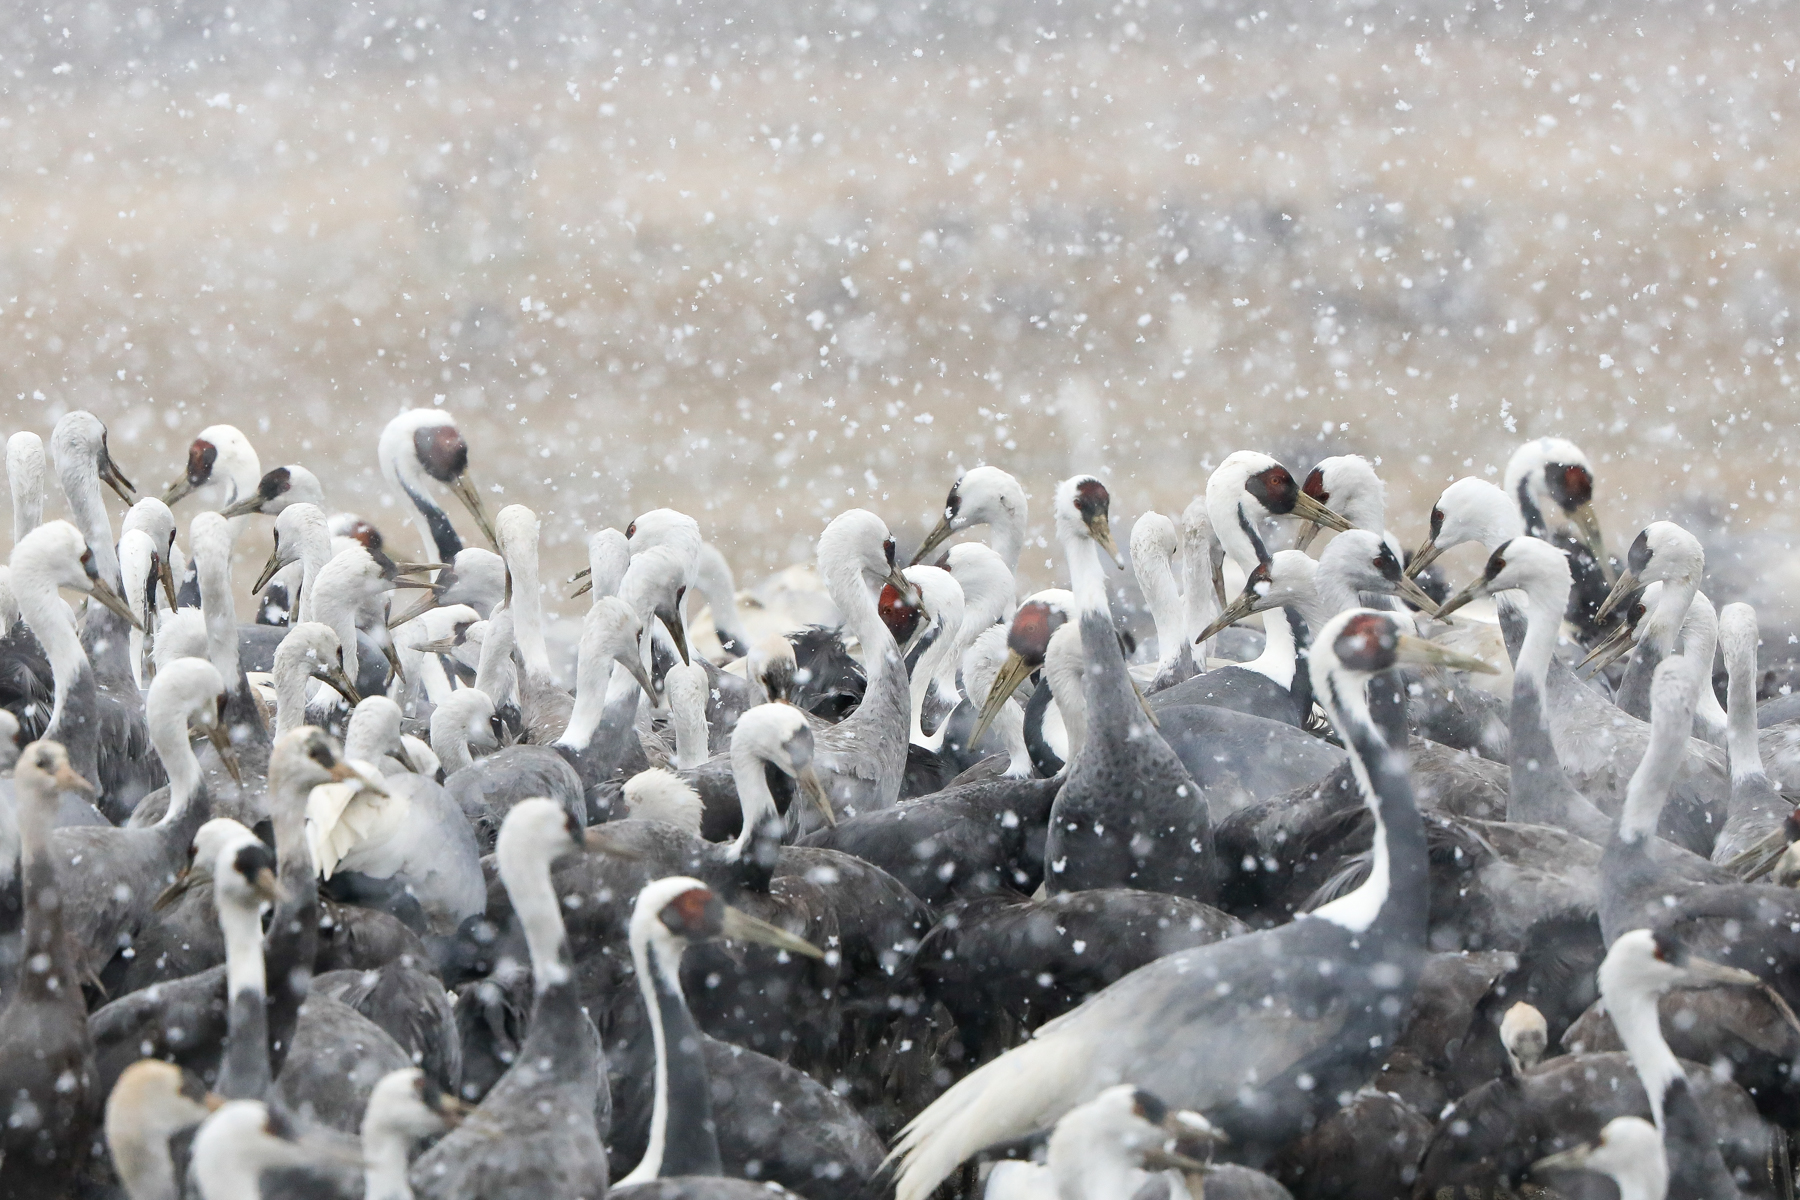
581 574
1237 610
1308 509
940 533
68 781
671 619
268 571
189 878
1308 532
221 742
243 508
268 887
1418 650
740 926
464 487
100 590
1588 523
1705 970
634 664
1423 557
1218 579
180 490
1100 529
340 683
393 658
814 788
1157 1158
901 583
115 478
1573 1159
1475 590
168 581
583 590
1623 586
425 605
1012 673
1145 705
597 838
1760 859
1410 590
1617 643
419 568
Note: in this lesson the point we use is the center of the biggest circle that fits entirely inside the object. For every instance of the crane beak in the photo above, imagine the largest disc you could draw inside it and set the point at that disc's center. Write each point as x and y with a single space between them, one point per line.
1421 599
268 571
738 926
1145 705
1423 653
1623 586
243 508
1012 673
1752 864
419 568
1475 590
1704 971
1423 557
1575 1158
168 581
901 583
190 877
583 590
67 780
115 478
340 683
425 605
452 1110
597 838
221 742
1607 652
1307 533
1099 527
1308 509
670 616
940 533
393 657
268 887
464 487
631 662
1157 1158
176 492
1236 611
100 590
814 788
1588 524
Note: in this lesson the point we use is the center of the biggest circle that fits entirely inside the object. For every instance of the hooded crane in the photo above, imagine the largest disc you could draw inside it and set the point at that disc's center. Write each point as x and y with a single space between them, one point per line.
1552 482
423 443
1260 1033
52 1100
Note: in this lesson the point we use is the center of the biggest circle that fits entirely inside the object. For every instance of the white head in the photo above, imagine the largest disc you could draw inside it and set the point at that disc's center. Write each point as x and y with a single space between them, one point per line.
664 527
152 1101
659 795
1122 1129
467 717
1525 1034
190 688
609 554
534 835
1527 564
856 552
941 597
223 455
373 730
237 1144
404 1104
517 528
1348 485
1629 1150
983 496
284 486
1641 964
987 582
1474 510
154 518
1083 512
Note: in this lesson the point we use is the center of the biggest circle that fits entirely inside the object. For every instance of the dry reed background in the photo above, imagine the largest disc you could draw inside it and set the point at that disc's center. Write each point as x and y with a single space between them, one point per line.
762 264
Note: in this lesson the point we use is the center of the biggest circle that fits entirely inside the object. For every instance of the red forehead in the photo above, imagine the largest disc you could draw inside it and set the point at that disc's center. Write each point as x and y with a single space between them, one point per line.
898 612
1029 637
1315 485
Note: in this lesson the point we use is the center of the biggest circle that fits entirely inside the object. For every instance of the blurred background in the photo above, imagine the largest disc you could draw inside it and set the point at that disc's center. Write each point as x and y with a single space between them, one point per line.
762 260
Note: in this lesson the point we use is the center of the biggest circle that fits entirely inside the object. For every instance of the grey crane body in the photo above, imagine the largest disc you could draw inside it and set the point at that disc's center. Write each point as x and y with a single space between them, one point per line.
1129 815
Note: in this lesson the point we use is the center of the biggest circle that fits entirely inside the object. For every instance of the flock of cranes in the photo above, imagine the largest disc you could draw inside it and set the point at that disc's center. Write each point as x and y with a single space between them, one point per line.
1413 891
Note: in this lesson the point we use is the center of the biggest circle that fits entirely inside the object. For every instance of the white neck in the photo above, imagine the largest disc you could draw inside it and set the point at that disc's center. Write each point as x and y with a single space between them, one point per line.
668 960
755 801
495 673
844 583
315 552
1671 610
938 664
144 1164
384 1162
1545 602
54 627
291 676
87 505
1741 743
219 608
25 472
242 927
528 607
1091 1164
233 1177
1156 578
687 708
1087 579
1699 642
1357 910
1280 656
1634 1016
527 879
1007 539
337 611
1648 790
450 742
167 726
1065 674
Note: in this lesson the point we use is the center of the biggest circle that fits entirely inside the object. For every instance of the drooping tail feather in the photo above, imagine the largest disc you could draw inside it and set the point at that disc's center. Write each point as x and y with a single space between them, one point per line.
1024 1090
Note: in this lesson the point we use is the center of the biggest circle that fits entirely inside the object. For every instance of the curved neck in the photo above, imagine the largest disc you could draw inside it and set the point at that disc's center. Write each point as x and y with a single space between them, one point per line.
1087 579
881 654
494 671
687 710
1545 604
80 479
1670 615
1634 1016
169 734
291 675
54 626
1280 657
1091 1163
1740 694
528 608
315 552
1067 689
25 472
144 1163
1157 580
1007 539
439 535
219 608
757 804
450 742
244 1074
1395 890
683 1141
338 613
934 677
1648 790
527 880
384 1156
